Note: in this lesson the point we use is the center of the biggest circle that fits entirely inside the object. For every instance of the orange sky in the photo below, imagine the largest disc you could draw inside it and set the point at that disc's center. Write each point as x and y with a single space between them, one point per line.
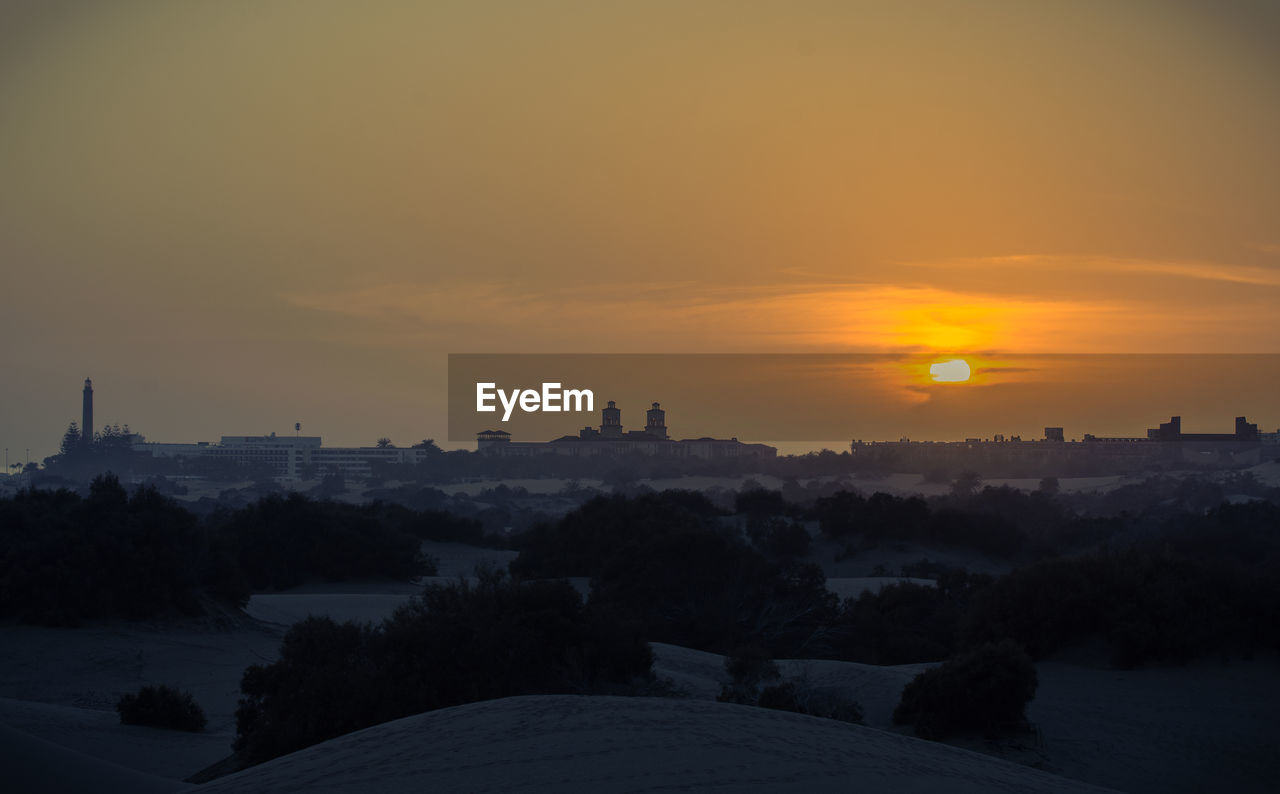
238 215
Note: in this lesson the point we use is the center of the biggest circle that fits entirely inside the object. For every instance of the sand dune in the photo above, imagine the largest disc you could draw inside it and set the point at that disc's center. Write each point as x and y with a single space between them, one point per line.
877 689
1205 727
605 744
1208 726
33 764
99 734
92 666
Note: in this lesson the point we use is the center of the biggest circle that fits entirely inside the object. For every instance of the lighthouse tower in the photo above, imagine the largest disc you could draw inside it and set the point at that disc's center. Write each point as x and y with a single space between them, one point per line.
86 419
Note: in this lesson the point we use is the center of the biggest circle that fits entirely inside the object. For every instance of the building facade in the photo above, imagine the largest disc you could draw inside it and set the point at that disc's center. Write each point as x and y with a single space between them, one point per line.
289 457
611 440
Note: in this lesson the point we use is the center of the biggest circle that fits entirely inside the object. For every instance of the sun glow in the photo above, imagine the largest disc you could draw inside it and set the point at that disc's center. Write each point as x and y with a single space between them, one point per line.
955 370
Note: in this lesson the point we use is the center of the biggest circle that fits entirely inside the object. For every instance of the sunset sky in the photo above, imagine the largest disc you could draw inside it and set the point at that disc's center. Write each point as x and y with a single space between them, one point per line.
238 215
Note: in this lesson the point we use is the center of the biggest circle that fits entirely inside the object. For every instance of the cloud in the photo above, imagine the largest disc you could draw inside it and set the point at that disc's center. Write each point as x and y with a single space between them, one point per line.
690 317
1104 265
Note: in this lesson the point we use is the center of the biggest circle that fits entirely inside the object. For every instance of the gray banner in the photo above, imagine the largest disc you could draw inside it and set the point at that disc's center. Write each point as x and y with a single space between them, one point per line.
825 397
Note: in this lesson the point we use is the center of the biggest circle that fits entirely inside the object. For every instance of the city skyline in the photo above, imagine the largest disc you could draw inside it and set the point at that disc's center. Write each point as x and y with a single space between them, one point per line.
1199 428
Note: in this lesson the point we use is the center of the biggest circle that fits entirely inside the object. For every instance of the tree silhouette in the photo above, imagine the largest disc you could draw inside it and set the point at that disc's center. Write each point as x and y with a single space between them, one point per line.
385 443
70 439
966 484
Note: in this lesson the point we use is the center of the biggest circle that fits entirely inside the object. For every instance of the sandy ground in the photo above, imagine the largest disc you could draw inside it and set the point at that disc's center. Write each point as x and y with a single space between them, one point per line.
604 744
98 734
876 689
1209 726
91 666
373 599
1206 727
61 686
33 764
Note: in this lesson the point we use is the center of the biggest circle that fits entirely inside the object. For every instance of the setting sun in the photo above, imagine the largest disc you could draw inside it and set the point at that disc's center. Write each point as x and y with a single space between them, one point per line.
954 371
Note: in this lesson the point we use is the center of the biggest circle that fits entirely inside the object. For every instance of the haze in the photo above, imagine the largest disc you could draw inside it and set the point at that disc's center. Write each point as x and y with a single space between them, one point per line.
238 215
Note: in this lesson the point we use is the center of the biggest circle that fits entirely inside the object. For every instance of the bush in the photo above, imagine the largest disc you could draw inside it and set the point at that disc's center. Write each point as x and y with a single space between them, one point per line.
162 707
986 689
800 697
141 555
64 558
459 643
749 667
1149 607
785 540
279 542
666 561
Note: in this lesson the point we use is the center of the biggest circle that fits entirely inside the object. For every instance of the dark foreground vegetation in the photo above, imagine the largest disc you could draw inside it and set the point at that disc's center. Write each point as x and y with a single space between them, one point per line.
1172 582
672 567
66 558
985 689
1157 590
458 644
754 680
162 707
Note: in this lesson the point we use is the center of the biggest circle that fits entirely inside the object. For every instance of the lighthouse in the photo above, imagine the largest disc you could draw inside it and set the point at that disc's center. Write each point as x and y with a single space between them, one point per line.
86 420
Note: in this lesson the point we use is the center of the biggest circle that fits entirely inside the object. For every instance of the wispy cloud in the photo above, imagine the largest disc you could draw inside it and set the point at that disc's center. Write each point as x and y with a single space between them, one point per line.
1206 271
816 317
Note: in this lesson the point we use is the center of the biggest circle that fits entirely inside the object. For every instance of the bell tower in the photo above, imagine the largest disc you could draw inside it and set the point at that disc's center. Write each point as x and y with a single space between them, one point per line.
655 423
611 421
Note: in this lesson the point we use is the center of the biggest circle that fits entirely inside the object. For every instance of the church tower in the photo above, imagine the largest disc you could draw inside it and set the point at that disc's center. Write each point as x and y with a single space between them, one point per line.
611 421
656 422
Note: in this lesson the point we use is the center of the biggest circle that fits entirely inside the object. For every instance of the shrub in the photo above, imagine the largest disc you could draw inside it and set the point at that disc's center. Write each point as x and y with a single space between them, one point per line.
802 698
666 561
66 558
786 539
1149 607
759 502
459 643
162 707
749 667
986 689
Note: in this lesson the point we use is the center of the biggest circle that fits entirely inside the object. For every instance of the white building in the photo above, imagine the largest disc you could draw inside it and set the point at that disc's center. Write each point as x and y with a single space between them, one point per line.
288 456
